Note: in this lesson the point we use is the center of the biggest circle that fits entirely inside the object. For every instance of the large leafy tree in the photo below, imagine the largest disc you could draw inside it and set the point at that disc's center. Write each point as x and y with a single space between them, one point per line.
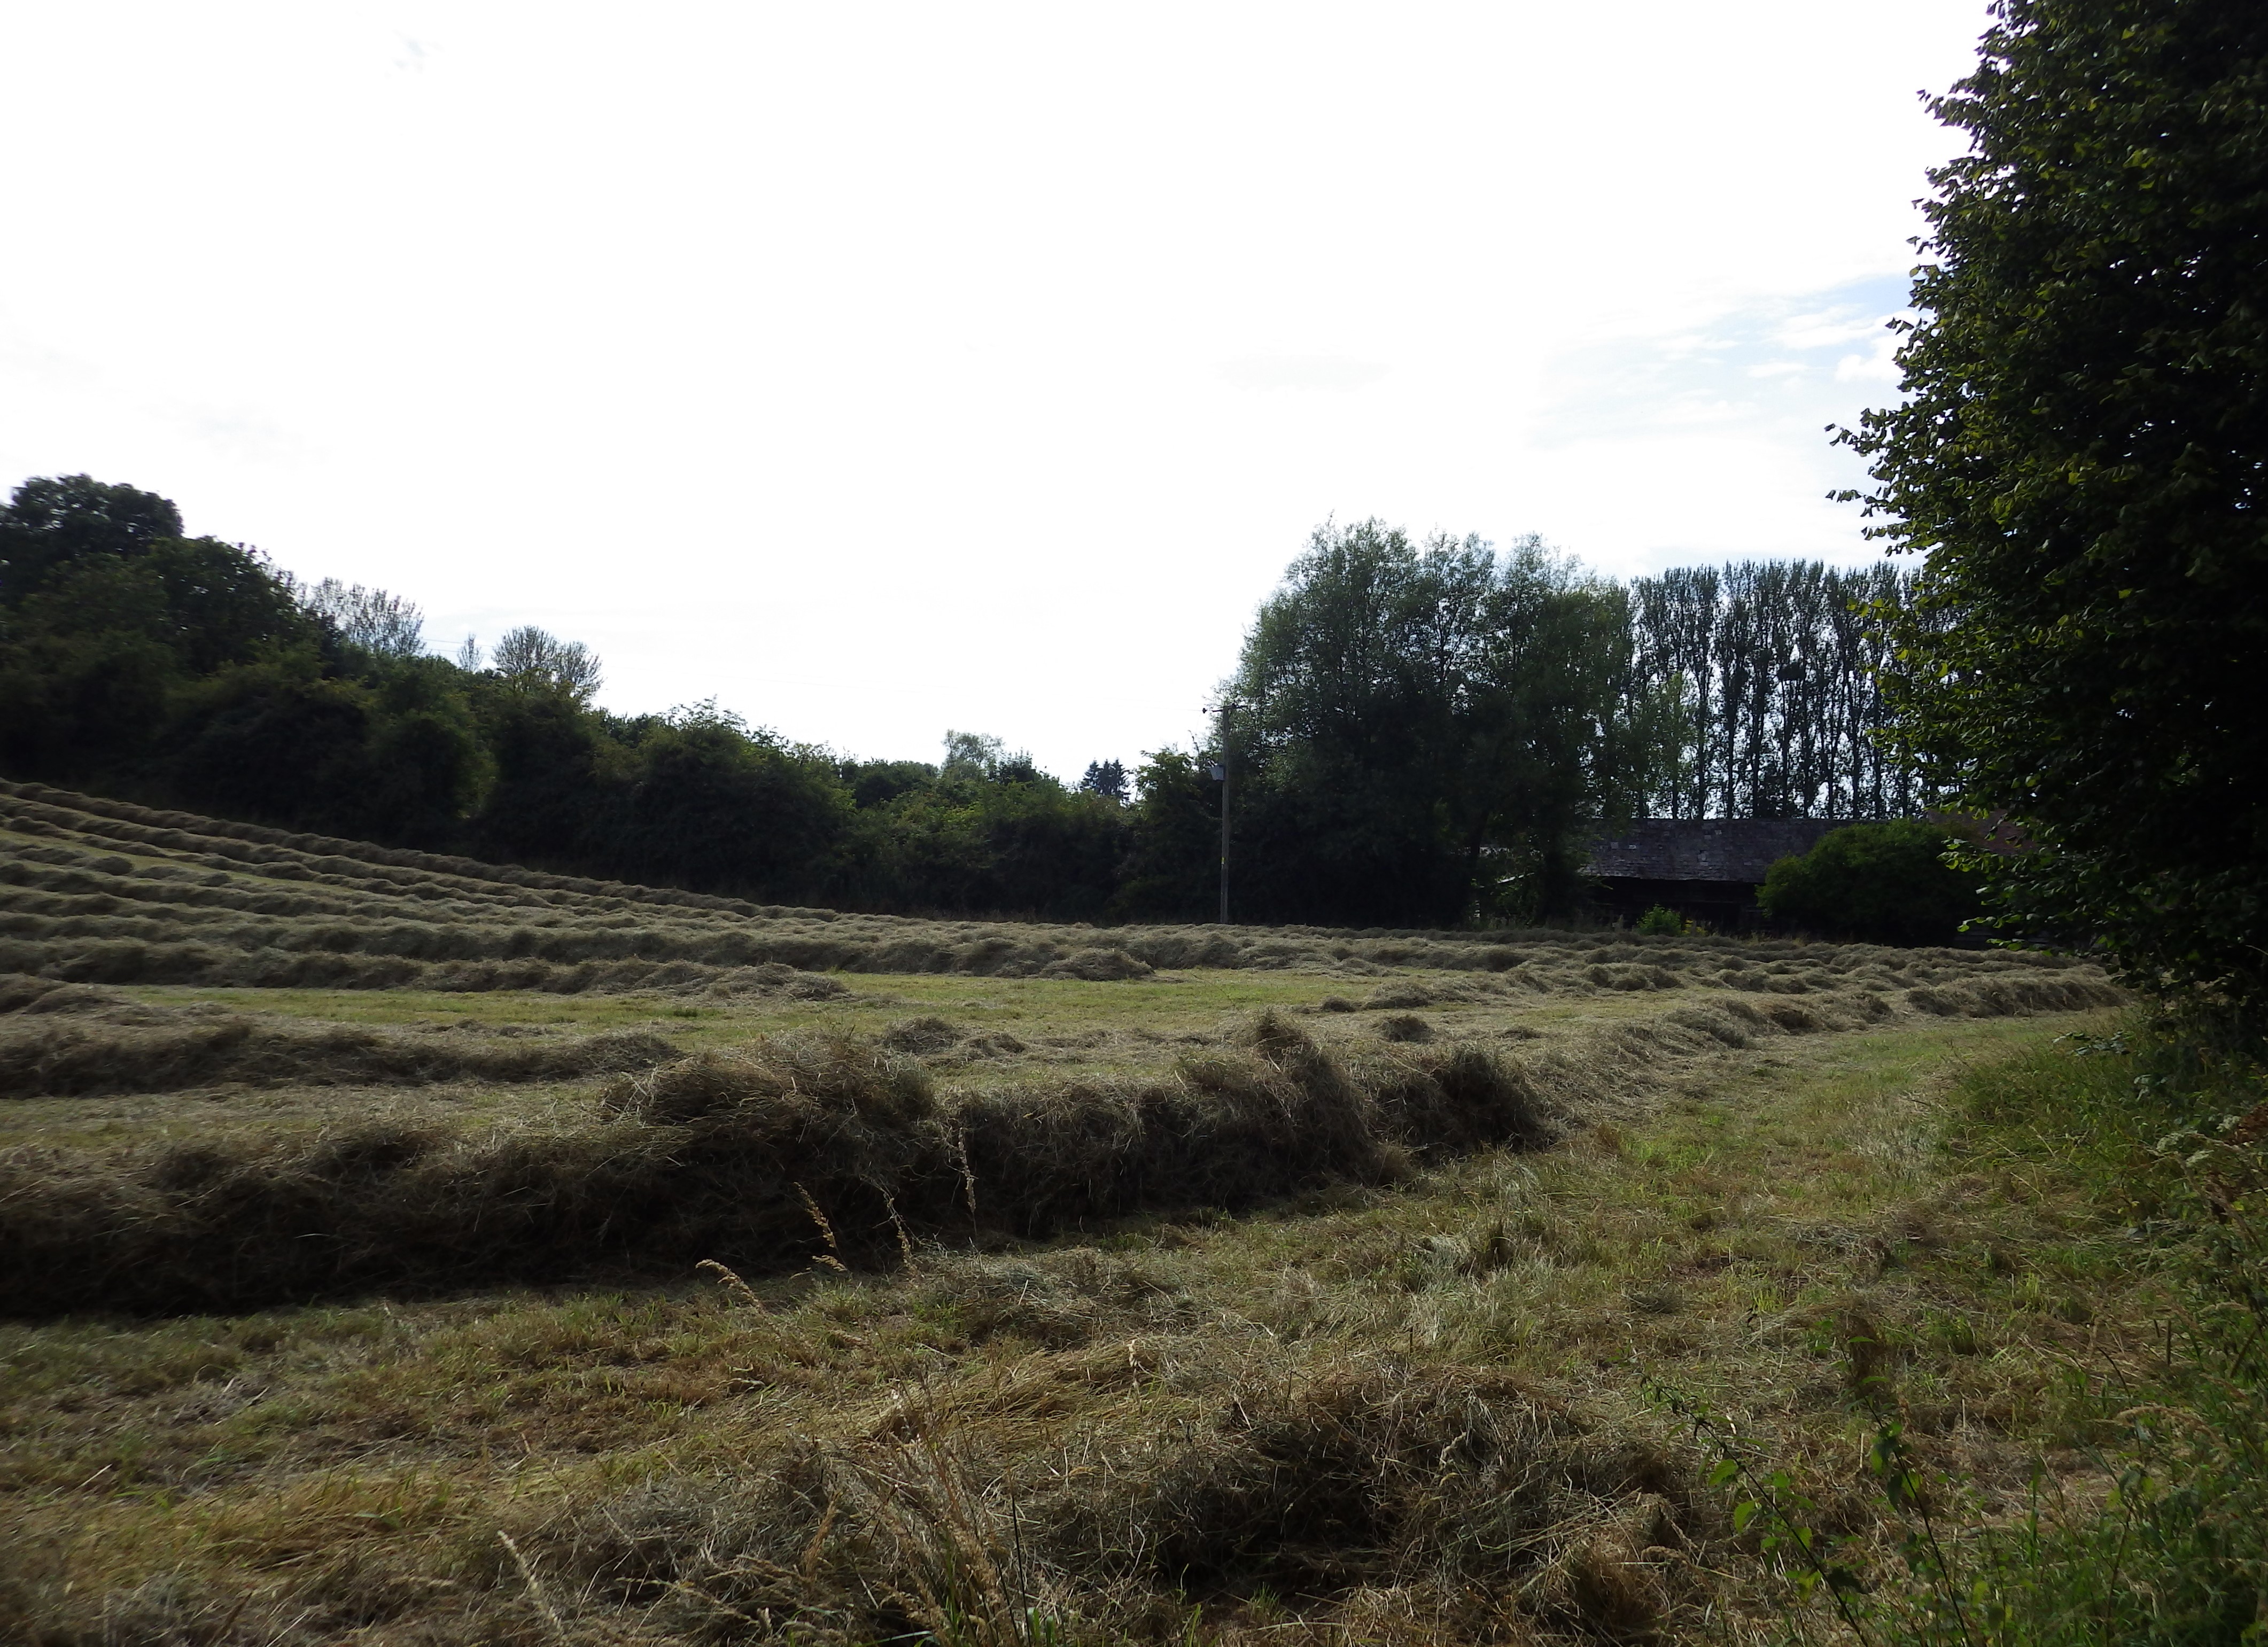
2083 456
52 521
1428 727
107 615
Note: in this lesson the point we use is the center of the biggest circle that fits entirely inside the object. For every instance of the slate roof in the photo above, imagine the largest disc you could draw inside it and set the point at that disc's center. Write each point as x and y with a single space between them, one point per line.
1705 848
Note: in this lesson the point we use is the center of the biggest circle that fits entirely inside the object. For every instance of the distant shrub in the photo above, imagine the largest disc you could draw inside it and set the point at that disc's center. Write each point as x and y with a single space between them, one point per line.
1885 883
1659 922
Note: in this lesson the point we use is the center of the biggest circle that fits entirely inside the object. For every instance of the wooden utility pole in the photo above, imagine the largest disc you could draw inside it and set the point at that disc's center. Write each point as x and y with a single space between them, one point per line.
1221 772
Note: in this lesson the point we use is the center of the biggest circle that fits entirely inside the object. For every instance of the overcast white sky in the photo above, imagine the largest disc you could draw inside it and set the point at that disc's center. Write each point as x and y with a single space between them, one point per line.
882 368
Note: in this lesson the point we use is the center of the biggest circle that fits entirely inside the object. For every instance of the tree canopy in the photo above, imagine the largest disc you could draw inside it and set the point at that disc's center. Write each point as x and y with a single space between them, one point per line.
54 521
2082 456
1426 733
1425 722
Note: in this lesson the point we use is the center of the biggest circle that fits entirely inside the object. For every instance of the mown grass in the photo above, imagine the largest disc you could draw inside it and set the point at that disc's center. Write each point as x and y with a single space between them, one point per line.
1407 1413
1146 1284
93 891
2145 1516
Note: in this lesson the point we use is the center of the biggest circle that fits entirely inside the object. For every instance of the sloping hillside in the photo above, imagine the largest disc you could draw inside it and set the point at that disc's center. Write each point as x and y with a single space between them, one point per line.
100 891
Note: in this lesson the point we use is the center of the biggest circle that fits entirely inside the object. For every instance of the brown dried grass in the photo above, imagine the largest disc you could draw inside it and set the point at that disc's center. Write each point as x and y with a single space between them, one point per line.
719 1156
205 902
48 1050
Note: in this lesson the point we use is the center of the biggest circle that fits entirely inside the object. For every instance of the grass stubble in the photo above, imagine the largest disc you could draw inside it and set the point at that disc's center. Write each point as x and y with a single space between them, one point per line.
1260 1304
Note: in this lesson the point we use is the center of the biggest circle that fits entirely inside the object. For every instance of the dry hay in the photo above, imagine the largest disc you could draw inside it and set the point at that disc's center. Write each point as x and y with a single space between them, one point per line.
95 891
77 1040
760 1159
1467 1503
1385 1501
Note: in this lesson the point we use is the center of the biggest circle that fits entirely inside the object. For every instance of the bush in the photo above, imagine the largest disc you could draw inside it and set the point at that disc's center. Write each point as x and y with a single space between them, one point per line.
1660 922
1886 883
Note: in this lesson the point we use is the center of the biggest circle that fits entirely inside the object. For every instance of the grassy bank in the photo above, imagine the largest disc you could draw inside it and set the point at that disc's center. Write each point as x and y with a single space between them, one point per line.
2146 1516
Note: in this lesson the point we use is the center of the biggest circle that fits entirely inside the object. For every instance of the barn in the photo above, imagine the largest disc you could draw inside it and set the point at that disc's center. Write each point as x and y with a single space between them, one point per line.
1706 868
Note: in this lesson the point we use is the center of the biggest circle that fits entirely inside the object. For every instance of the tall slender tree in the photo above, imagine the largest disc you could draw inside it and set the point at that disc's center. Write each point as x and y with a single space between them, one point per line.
1767 672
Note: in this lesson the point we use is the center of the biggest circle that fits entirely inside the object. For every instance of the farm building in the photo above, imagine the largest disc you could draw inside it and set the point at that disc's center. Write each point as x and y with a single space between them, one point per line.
1706 868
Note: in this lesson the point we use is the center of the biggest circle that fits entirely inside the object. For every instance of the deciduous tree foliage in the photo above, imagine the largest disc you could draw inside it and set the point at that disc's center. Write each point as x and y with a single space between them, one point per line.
108 615
1427 726
371 619
60 520
1427 732
1882 883
2083 456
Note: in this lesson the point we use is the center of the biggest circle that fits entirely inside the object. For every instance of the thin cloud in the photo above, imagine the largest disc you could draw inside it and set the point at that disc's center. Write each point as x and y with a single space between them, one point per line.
1881 366
1303 371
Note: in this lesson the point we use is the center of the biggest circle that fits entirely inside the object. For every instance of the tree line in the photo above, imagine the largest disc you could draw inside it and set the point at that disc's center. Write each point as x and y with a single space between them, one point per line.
1771 675
1417 732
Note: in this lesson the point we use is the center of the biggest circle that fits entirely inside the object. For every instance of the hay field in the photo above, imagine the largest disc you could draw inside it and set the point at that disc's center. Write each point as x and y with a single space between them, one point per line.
401 1249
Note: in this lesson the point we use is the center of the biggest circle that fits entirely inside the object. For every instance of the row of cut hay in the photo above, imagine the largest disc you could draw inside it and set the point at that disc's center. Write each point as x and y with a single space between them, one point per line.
109 885
230 950
94 915
1734 1019
354 898
83 907
759 1158
1385 1501
48 1051
1351 1498
109 951
122 961
2014 996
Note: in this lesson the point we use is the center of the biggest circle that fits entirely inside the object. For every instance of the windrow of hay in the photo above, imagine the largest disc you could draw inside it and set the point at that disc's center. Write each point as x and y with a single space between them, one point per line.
1387 1502
55 1057
758 1158
96 891
1457 1501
